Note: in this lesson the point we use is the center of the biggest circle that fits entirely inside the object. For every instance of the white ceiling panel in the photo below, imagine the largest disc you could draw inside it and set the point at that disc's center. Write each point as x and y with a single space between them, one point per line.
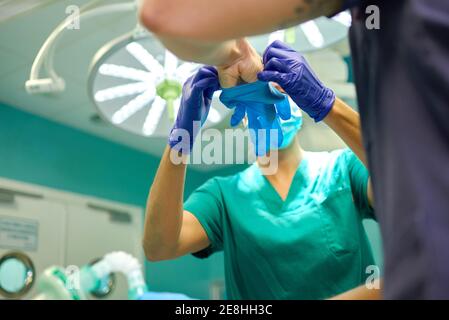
12 8
9 61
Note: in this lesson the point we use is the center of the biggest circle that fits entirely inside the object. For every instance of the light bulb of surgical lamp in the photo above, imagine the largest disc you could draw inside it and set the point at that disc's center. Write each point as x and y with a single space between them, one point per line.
153 116
133 106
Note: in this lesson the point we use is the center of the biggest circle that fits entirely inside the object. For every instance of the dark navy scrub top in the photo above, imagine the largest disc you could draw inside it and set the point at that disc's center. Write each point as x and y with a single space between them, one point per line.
402 80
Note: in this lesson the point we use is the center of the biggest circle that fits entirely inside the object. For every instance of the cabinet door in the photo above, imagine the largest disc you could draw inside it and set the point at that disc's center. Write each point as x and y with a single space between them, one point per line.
35 227
93 232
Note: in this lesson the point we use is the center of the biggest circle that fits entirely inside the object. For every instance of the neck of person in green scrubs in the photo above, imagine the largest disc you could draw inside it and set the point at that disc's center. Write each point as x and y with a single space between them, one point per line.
295 234
288 161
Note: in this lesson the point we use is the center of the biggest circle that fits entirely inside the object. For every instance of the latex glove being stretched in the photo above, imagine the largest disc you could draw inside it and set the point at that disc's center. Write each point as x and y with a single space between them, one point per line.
291 71
265 107
196 99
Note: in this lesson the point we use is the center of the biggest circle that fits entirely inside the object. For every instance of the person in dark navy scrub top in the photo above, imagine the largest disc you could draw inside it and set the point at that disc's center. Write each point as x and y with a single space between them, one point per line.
402 79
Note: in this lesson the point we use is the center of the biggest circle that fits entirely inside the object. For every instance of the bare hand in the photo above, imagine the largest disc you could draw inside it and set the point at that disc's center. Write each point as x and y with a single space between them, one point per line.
243 69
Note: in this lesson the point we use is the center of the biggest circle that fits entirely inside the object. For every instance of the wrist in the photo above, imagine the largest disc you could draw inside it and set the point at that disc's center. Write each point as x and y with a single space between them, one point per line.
183 135
174 159
337 113
326 103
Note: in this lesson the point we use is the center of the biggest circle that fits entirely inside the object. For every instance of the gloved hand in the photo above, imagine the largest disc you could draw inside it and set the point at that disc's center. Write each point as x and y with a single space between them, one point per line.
195 105
291 71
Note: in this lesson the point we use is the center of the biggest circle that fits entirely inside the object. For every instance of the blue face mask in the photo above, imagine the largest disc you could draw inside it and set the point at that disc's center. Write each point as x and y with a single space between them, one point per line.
291 126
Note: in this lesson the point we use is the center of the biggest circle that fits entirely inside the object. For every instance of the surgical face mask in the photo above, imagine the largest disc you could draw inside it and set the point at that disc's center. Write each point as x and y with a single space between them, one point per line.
291 126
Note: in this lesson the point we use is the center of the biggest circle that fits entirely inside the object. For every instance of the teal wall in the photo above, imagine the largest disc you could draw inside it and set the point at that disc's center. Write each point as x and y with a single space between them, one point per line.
35 150
38 151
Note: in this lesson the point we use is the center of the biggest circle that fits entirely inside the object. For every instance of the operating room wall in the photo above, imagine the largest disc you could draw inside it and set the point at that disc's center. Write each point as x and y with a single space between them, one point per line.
39 151
42 152
36 150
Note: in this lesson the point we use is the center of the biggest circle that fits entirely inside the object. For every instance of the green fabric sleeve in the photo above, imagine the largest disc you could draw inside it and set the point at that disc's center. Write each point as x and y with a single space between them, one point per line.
359 177
206 204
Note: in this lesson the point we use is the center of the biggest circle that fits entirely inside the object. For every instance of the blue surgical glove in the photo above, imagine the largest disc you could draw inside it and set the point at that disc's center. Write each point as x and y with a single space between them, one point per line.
265 129
195 105
291 71
264 106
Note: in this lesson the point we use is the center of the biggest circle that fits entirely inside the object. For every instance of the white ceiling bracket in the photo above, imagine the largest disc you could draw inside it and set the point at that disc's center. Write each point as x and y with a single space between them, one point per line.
52 82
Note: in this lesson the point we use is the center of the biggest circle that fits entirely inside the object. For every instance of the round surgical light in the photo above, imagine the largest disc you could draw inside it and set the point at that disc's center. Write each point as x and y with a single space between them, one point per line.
136 85
309 36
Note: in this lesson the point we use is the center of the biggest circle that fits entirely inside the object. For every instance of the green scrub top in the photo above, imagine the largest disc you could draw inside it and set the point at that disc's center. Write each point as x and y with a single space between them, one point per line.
310 246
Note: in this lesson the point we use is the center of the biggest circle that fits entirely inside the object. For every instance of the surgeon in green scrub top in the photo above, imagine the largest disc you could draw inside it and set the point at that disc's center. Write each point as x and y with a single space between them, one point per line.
295 234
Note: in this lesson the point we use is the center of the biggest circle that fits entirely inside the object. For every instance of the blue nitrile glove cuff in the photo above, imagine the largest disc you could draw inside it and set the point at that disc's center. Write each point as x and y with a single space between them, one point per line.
258 91
323 106
264 105
195 104
182 140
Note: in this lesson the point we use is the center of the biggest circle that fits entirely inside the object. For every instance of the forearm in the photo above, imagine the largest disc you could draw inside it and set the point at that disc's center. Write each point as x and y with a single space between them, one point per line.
345 122
164 210
362 293
216 54
198 29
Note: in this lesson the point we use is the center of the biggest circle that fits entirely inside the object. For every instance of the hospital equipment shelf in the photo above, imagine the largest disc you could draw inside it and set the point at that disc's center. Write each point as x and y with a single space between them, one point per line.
57 228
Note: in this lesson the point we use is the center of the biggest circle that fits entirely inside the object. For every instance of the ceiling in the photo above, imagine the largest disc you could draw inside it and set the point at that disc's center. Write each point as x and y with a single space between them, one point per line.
12 8
24 31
